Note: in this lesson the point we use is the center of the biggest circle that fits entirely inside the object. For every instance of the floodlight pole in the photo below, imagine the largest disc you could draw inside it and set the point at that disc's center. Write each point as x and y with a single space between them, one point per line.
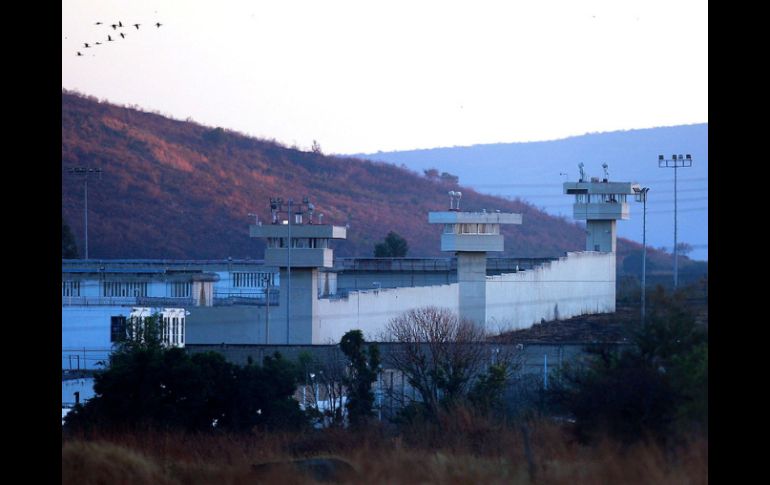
85 171
675 162
641 195
288 274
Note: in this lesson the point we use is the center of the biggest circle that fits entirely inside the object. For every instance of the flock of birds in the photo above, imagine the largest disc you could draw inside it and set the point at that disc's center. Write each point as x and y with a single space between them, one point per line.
115 27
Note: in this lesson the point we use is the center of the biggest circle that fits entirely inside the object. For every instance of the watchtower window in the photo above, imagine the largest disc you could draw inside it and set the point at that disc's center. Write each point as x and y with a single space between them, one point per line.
489 229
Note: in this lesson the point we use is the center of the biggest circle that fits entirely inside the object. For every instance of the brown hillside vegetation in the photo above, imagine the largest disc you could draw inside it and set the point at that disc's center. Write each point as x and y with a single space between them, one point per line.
176 189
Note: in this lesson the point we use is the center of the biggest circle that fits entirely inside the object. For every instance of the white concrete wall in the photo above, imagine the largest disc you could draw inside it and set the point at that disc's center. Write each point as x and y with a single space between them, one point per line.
581 283
156 289
88 326
85 332
578 284
89 288
370 310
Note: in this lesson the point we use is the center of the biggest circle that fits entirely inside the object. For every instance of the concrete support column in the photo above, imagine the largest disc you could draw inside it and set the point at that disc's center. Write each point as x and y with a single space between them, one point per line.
303 300
471 277
602 235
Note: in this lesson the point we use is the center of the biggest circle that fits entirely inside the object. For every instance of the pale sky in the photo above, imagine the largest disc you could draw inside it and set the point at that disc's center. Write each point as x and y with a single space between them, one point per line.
363 76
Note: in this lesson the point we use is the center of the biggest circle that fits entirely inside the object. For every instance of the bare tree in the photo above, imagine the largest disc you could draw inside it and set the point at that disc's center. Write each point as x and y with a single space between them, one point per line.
441 355
325 375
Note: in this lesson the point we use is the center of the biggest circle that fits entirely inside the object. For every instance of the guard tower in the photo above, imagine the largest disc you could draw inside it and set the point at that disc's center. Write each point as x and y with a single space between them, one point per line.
600 203
298 248
470 235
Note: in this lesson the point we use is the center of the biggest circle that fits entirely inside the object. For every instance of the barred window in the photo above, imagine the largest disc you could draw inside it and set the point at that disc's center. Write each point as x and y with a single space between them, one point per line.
70 288
180 289
117 328
119 288
253 280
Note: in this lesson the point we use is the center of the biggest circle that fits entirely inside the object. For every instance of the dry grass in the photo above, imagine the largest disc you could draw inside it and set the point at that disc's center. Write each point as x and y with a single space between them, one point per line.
491 455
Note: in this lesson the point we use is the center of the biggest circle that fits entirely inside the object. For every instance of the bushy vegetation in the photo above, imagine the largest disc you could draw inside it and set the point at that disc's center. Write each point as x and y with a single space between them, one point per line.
658 388
150 386
69 249
394 246
364 366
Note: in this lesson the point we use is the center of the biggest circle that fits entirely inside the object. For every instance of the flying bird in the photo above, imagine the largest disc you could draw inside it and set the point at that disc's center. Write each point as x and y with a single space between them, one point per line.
79 53
86 44
114 26
120 24
98 23
137 26
123 35
158 24
98 43
109 38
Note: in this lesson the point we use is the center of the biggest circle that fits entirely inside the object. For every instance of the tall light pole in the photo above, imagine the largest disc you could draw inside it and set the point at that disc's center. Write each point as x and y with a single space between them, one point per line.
288 274
641 196
85 171
675 162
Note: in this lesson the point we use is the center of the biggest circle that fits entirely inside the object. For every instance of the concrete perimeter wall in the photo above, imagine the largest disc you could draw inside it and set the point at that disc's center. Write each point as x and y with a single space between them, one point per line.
371 310
580 283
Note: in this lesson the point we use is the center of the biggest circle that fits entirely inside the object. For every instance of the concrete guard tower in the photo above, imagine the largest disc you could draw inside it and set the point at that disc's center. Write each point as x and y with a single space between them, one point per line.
298 249
600 203
470 235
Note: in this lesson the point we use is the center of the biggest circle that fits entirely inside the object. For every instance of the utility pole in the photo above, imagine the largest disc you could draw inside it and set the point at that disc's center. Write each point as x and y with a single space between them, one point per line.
85 171
641 196
675 162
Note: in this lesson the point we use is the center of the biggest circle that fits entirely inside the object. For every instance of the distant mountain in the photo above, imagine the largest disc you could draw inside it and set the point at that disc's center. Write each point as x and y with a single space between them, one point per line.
535 171
176 189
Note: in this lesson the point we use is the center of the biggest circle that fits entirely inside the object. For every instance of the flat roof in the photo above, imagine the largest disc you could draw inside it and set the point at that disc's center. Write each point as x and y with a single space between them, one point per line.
457 217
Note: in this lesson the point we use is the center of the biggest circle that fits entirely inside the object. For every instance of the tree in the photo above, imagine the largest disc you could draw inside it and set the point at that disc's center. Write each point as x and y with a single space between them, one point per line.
657 387
69 249
431 174
148 384
684 248
325 372
449 178
364 366
444 358
394 246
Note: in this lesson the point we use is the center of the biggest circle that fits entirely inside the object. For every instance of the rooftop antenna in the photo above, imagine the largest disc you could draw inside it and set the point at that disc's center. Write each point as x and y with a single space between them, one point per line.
310 211
582 171
606 172
274 207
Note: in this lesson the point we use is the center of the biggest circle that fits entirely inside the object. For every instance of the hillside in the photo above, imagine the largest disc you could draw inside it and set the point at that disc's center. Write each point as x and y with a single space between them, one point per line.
535 171
176 189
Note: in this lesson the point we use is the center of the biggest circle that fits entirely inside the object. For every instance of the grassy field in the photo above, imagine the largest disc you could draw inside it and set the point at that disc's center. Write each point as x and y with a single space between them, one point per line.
462 451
